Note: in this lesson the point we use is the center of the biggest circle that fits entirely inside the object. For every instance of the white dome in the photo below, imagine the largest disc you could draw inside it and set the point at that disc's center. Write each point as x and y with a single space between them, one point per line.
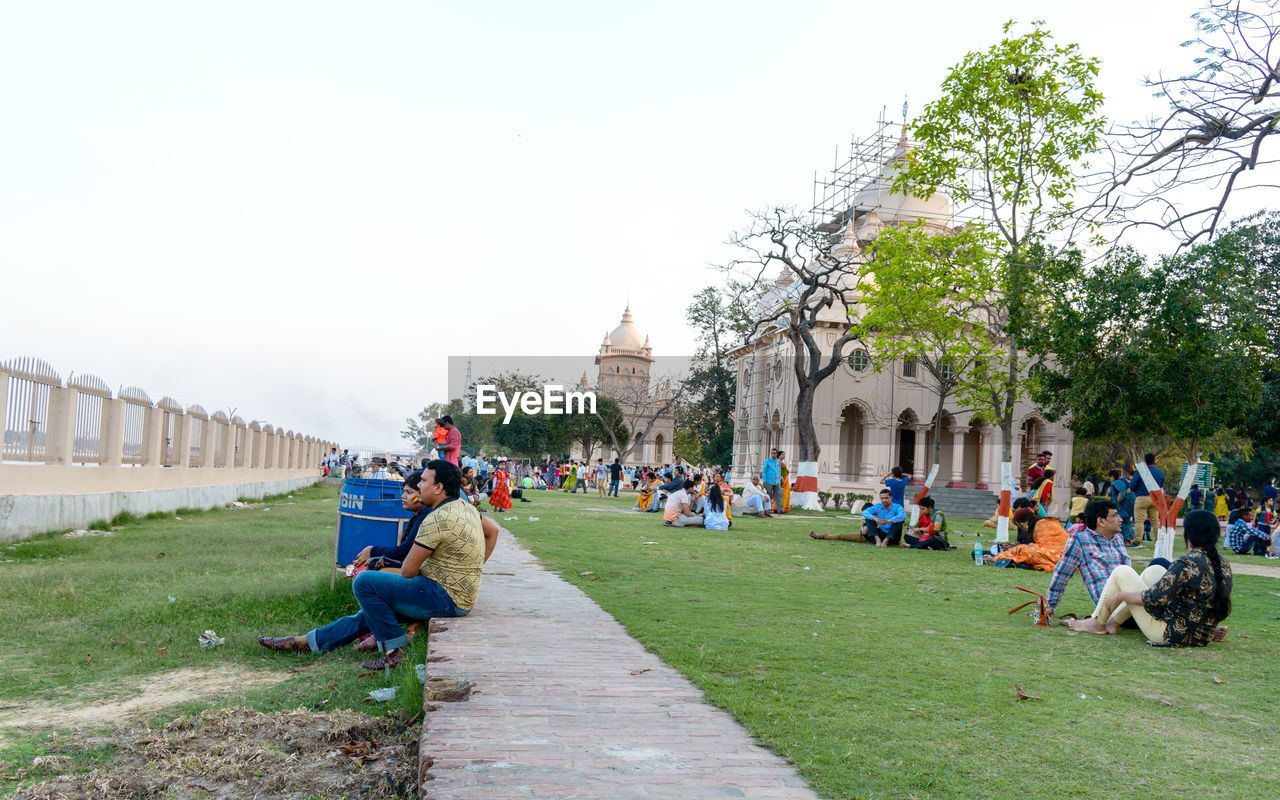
878 196
627 336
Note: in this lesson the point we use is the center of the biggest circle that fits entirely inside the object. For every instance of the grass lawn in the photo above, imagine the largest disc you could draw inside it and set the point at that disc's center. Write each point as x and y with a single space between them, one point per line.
891 673
93 619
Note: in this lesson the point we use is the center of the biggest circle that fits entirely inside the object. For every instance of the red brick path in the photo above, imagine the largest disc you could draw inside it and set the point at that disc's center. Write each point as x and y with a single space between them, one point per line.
556 712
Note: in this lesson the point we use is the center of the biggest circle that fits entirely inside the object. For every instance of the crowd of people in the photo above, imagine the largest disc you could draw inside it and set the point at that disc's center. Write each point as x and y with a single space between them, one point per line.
1173 603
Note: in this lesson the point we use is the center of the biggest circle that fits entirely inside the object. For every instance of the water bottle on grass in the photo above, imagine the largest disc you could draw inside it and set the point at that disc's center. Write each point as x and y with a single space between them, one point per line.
977 552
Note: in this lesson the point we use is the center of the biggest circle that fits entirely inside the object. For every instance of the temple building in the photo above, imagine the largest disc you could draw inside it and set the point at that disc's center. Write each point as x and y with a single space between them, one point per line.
869 421
624 362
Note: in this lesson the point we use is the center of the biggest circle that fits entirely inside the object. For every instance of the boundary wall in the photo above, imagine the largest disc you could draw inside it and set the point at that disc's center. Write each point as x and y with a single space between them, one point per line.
75 452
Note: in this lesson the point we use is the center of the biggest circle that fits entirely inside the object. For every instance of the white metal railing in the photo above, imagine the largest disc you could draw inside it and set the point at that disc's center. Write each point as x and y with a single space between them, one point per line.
28 385
46 422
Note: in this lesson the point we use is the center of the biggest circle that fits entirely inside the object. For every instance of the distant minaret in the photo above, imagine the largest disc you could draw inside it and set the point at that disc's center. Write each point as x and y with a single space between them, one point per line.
466 388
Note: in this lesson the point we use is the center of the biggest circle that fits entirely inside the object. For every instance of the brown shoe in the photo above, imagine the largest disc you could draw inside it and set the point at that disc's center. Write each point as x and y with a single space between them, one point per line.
282 643
390 660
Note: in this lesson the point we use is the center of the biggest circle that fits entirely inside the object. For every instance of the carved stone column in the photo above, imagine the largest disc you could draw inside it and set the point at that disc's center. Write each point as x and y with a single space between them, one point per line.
989 455
921 468
957 456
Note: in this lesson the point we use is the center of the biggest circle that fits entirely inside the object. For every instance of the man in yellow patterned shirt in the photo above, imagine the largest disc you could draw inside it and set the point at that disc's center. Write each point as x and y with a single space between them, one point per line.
440 576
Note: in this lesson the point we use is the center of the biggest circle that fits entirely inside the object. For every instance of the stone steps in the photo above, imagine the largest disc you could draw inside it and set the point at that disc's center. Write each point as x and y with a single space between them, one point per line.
975 503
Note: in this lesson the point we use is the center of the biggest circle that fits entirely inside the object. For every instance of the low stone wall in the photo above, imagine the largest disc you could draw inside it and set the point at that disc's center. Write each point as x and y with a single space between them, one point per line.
23 515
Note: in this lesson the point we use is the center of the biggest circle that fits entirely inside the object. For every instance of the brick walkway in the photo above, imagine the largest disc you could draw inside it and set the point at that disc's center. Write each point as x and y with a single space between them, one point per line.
556 713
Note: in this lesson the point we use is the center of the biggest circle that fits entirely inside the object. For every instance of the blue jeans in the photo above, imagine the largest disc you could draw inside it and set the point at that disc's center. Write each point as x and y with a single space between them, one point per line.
613 487
385 598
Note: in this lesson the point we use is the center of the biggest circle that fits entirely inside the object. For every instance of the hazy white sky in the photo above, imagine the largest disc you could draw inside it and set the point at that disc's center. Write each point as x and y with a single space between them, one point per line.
301 209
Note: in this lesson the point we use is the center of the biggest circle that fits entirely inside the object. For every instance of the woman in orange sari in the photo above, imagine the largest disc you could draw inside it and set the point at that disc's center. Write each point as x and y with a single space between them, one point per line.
1041 541
501 497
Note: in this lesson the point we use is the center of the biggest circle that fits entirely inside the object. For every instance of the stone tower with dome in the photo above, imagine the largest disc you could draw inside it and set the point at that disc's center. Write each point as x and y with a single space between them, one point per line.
624 362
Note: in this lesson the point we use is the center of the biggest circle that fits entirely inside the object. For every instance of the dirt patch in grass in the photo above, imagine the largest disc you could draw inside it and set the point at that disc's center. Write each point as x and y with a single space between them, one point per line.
234 752
152 694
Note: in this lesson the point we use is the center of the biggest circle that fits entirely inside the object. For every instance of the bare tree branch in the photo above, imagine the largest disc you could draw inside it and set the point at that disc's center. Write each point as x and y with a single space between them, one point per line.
1210 143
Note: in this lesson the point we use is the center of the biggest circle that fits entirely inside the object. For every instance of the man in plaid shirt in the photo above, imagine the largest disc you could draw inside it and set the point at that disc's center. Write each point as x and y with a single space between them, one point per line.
1093 552
1243 538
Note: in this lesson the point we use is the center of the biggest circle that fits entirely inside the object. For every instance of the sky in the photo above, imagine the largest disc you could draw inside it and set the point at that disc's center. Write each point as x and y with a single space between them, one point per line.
301 210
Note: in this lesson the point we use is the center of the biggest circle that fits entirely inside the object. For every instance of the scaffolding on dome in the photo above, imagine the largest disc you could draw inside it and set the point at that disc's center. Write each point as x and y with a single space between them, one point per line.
835 194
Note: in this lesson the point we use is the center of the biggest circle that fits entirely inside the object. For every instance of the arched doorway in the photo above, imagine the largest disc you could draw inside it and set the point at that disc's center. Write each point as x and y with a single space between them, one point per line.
905 455
852 441
1032 434
657 449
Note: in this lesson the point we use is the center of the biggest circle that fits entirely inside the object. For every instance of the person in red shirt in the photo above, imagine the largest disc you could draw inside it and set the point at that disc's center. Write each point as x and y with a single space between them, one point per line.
1036 471
452 447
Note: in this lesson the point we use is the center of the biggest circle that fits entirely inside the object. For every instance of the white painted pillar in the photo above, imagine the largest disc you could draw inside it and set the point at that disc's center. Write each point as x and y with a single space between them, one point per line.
921 455
987 473
957 456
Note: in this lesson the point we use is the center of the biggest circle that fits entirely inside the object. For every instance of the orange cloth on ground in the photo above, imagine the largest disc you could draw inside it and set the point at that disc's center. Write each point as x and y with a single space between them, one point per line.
1050 541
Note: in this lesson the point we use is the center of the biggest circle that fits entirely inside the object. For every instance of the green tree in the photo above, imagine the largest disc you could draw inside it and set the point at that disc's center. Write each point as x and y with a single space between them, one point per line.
1006 136
605 426
720 315
925 299
1175 352
528 435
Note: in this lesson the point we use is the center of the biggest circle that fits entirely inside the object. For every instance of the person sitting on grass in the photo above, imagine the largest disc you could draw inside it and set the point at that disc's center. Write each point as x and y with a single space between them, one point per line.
440 576
1095 553
678 511
1078 524
1183 605
1041 541
753 495
1243 538
1078 502
648 499
926 535
882 522
715 516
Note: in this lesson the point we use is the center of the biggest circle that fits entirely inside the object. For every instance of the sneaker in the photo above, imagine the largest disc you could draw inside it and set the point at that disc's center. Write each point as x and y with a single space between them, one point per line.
669 524
1272 555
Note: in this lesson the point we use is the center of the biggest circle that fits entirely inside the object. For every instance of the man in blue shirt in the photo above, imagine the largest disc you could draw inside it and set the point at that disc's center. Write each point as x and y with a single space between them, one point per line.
771 475
1143 506
882 523
1122 495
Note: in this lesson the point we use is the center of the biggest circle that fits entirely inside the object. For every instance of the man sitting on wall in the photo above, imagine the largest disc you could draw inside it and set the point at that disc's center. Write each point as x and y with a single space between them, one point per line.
440 576
753 494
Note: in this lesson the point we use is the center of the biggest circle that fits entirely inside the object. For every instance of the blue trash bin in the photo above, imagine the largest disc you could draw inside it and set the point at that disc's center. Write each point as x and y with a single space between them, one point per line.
369 513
